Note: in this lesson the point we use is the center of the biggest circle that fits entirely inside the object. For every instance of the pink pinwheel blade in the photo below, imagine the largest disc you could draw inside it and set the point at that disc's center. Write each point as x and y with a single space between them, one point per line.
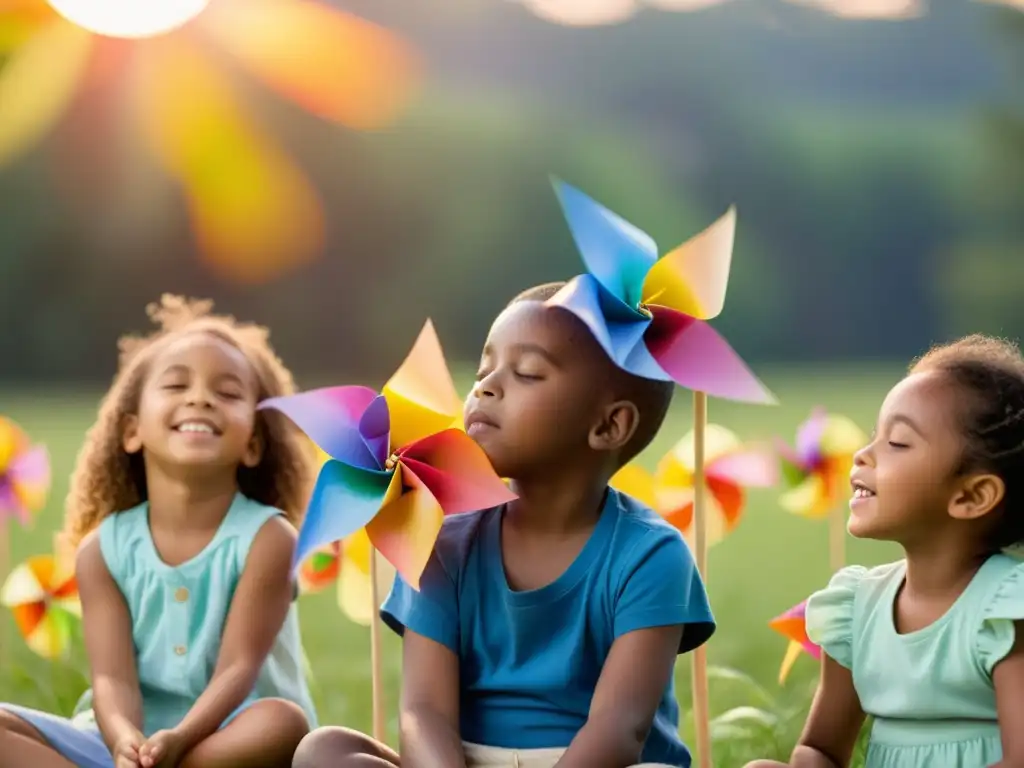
698 358
750 469
808 437
331 417
456 472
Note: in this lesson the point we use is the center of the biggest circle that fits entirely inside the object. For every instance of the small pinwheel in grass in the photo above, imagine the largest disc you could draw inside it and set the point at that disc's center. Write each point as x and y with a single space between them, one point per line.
43 596
347 563
730 467
24 474
320 569
398 462
792 626
649 313
817 470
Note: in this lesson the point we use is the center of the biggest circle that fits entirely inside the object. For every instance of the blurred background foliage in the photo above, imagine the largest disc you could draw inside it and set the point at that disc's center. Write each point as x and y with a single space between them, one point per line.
878 170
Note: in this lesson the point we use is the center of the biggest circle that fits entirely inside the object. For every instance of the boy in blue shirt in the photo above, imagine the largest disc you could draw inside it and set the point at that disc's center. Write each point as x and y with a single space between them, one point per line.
545 632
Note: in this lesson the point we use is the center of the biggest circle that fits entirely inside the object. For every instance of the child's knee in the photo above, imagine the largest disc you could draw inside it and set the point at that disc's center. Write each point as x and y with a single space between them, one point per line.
325 747
286 716
765 764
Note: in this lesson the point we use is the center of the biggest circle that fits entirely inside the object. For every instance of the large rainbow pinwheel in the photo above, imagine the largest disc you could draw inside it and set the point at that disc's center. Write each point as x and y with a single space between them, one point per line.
43 595
397 464
649 313
792 625
24 474
817 469
730 468
253 212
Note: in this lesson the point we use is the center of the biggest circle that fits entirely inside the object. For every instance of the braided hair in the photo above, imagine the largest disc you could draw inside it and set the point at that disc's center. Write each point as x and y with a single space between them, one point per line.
989 372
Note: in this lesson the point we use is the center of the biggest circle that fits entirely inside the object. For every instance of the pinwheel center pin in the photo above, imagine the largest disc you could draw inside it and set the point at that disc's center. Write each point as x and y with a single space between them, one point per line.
392 462
644 310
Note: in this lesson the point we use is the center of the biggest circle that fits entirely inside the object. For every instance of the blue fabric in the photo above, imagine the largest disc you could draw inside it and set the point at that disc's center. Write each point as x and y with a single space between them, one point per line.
529 661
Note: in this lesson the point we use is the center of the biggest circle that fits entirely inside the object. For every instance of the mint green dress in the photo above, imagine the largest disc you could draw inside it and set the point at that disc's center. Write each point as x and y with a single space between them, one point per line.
179 612
929 692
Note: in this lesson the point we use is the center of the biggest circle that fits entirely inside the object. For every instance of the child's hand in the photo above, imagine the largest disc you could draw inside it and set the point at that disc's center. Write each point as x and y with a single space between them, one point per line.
126 750
163 748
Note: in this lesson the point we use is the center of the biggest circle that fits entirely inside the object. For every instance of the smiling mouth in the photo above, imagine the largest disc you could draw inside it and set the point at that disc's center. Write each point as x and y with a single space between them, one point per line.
861 491
197 427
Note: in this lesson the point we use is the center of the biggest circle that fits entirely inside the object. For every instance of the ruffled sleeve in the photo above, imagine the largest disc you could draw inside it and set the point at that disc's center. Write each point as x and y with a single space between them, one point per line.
1005 606
829 615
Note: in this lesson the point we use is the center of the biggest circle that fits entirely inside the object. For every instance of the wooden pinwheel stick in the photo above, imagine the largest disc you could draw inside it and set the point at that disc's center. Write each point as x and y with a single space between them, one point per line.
837 538
699 662
376 672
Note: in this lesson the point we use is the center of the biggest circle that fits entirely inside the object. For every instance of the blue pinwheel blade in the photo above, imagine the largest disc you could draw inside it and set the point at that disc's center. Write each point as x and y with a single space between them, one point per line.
618 329
614 251
344 500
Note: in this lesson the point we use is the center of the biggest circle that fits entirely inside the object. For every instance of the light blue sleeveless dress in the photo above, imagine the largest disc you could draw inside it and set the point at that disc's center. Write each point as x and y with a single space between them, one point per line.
178 615
929 692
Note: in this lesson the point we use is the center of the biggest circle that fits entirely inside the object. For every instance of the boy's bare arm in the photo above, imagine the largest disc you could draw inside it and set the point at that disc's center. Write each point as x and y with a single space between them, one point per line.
629 690
429 720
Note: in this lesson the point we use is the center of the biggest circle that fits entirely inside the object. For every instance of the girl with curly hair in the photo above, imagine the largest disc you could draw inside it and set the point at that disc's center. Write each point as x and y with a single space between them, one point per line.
183 510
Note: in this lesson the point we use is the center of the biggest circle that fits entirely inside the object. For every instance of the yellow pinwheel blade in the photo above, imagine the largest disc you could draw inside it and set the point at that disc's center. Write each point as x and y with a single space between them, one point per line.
52 635
253 212
693 278
354 587
718 441
841 436
37 83
406 528
338 66
808 499
421 396
637 482
793 651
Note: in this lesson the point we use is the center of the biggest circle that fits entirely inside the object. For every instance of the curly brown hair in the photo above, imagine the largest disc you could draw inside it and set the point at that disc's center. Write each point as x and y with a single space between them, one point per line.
107 479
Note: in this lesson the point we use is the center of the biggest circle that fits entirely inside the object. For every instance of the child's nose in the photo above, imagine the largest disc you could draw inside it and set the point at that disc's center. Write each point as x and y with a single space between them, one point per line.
865 457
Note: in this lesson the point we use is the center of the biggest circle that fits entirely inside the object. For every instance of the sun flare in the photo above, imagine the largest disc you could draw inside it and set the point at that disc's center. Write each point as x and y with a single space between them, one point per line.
129 18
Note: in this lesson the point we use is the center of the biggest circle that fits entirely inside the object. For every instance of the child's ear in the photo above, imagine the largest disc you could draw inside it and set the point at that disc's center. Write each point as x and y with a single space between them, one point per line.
253 452
130 440
977 496
616 427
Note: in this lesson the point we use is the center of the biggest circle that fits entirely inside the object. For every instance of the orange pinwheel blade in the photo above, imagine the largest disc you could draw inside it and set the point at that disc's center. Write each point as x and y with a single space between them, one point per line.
421 396
37 84
253 212
406 528
335 65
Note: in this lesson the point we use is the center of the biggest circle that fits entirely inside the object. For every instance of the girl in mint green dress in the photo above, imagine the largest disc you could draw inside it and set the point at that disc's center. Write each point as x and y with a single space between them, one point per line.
183 509
931 647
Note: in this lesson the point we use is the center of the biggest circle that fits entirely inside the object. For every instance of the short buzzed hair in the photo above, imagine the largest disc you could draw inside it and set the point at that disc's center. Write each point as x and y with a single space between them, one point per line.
651 396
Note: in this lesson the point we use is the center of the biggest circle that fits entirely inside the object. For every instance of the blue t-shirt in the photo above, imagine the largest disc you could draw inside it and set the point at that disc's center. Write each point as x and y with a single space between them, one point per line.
529 661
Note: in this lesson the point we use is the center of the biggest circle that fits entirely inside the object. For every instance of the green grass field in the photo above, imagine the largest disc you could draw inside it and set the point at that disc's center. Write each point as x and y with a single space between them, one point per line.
771 562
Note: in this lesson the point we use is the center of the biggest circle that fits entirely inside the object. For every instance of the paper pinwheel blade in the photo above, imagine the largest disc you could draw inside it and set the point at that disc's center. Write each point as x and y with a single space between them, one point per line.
421 395
817 469
792 626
